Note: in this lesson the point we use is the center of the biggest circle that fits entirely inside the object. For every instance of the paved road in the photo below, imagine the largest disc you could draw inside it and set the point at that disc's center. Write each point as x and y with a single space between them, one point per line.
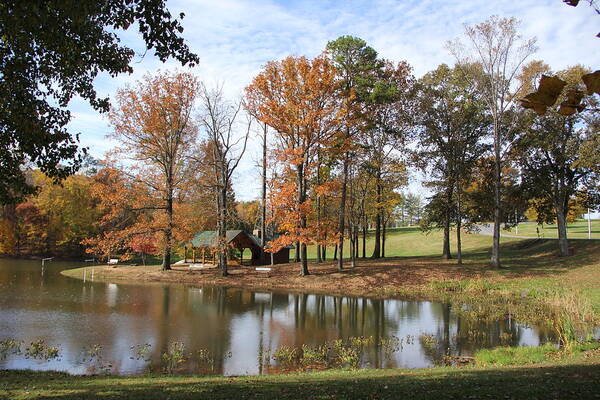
488 229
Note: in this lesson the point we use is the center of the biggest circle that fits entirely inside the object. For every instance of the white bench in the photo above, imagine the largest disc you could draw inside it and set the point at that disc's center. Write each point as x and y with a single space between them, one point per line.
266 270
113 261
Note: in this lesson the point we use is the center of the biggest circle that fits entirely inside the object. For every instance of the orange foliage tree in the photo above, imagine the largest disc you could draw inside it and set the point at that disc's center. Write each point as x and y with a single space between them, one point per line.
296 97
152 121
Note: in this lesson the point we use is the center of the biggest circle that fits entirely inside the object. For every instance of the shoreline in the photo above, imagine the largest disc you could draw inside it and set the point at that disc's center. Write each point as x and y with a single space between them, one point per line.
407 278
533 278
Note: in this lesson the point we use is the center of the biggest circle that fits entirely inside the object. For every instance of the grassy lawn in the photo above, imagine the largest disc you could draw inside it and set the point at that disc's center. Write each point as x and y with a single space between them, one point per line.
573 376
411 241
577 229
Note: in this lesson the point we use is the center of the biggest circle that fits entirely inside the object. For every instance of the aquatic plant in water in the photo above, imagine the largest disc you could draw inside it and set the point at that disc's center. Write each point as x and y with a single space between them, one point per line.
39 351
286 356
9 347
142 351
173 357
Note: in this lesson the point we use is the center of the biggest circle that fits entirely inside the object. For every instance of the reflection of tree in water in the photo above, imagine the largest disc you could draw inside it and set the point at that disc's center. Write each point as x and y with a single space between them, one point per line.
202 320
206 319
319 319
462 333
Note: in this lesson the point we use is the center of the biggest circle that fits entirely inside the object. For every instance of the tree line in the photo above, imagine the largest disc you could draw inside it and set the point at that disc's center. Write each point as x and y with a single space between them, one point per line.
339 133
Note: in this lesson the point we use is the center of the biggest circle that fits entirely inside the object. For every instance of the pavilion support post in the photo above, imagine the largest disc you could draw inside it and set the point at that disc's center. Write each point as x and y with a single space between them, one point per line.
203 256
185 254
194 255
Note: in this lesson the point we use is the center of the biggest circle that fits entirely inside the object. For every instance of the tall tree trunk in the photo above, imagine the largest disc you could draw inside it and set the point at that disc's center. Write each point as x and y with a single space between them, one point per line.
352 247
342 219
319 258
263 222
303 221
166 264
495 259
223 229
458 239
458 223
304 260
364 238
324 250
563 242
383 238
446 246
378 217
335 251
446 249
356 241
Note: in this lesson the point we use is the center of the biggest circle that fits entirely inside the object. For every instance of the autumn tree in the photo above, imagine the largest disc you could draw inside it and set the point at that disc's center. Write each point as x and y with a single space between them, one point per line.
122 205
52 221
51 51
389 105
31 229
478 199
451 126
500 51
550 148
144 245
249 213
152 122
356 63
70 209
227 137
295 97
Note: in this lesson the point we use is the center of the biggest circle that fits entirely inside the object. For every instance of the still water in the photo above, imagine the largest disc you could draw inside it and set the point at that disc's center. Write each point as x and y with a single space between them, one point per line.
238 328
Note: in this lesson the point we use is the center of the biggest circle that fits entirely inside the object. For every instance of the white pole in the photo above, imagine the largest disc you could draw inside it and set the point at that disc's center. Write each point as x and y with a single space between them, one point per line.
44 261
589 224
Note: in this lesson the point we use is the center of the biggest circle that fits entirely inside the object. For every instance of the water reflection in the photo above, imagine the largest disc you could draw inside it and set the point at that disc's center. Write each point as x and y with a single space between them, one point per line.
239 329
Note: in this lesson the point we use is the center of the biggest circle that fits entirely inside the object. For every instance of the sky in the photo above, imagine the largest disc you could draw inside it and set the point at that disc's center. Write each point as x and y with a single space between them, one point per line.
235 38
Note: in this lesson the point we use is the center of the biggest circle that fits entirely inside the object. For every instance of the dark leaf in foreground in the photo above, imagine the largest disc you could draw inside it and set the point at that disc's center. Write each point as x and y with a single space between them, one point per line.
592 81
573 103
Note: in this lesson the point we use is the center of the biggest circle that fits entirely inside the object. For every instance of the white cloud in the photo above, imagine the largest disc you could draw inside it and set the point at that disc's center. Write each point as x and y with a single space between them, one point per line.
234 38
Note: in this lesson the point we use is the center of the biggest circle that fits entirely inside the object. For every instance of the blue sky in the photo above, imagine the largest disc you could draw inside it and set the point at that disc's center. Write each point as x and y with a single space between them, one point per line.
234 38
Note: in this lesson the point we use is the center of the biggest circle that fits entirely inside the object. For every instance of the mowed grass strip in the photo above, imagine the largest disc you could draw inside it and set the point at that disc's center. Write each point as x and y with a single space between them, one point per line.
411 241
572 377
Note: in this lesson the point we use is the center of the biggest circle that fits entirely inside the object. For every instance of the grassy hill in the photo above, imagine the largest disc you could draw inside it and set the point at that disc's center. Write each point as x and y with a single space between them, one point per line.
411 241
575 230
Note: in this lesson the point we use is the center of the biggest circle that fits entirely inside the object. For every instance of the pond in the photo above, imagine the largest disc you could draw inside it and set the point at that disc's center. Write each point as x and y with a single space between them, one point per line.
126 329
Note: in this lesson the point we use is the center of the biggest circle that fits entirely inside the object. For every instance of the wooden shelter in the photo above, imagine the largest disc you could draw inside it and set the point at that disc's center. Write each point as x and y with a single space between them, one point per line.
204 245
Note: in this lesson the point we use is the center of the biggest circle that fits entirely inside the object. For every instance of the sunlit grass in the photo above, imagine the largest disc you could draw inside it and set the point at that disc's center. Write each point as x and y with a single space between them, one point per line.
575 230
413 242
573 375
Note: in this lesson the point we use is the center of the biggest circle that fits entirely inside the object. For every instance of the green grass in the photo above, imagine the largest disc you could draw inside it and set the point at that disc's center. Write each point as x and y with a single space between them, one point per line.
573 376
577 229
515 355
503 356
411 241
